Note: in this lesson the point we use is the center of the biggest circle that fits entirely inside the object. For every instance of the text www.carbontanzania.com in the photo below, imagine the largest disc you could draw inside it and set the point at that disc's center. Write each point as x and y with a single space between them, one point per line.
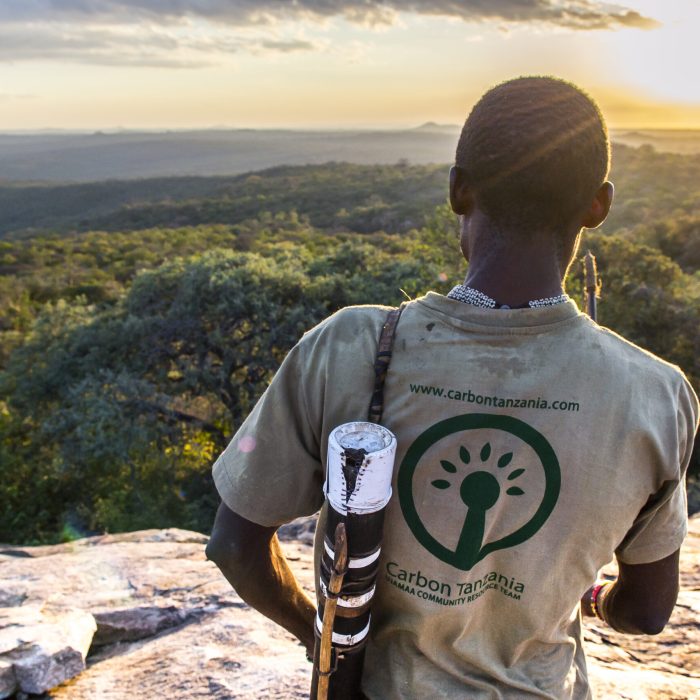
468 396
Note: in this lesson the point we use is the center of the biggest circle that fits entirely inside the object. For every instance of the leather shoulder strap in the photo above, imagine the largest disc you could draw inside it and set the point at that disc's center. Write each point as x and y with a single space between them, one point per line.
381 364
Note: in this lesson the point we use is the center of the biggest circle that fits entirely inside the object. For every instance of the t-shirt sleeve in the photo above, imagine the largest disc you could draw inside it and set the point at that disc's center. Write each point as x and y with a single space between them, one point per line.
661 526
271 471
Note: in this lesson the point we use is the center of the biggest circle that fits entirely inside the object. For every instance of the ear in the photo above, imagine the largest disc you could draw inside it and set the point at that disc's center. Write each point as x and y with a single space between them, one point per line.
461 197
600 206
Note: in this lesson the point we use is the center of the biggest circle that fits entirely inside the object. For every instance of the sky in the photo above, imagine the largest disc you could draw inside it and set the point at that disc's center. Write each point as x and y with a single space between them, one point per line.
181 64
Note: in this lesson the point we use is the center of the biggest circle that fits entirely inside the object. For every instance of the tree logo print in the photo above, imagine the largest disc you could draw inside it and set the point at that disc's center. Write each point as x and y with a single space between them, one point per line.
479 490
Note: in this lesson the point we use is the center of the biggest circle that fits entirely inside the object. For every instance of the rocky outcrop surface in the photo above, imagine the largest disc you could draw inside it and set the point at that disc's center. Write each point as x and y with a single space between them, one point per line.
160 621
167 623
41 647
666 666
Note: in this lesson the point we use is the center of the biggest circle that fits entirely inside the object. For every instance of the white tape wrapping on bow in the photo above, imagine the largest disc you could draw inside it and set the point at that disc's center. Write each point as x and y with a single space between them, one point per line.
355 562
354 601
346 640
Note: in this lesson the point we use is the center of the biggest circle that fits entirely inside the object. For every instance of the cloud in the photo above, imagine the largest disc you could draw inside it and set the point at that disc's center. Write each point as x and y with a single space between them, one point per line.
200 33
129 46
88 45
288 45
573 14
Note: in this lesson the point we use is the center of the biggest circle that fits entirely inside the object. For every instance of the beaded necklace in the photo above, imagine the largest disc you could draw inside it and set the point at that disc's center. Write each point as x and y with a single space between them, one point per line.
469 295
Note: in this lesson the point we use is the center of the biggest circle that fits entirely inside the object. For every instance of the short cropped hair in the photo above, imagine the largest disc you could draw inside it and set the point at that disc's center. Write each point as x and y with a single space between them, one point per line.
534 151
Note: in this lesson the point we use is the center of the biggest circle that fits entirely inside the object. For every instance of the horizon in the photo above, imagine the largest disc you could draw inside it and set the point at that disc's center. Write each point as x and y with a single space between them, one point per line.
117 130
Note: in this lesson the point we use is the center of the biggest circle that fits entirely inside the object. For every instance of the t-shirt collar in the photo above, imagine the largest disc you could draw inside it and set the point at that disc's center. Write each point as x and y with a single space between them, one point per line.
504 318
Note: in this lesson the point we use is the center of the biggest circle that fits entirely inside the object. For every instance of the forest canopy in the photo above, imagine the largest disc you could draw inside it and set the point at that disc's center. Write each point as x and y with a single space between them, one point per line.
136 335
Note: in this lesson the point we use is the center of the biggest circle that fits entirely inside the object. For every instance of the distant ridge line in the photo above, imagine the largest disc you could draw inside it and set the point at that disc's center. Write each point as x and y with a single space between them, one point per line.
126 155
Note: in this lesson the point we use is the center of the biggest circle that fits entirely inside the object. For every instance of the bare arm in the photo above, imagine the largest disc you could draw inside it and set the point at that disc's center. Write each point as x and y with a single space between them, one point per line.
642 598
251 559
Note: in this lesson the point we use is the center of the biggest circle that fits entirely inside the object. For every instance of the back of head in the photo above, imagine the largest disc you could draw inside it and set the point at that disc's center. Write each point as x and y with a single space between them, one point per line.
534 151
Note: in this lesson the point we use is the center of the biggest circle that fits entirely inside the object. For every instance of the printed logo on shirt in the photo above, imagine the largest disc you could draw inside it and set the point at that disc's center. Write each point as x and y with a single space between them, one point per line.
477 483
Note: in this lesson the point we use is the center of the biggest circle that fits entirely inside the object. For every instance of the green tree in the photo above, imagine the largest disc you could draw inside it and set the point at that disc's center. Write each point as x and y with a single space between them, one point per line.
132 401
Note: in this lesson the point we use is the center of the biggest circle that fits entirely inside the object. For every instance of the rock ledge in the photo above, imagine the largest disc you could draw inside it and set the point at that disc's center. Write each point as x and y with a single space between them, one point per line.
159 620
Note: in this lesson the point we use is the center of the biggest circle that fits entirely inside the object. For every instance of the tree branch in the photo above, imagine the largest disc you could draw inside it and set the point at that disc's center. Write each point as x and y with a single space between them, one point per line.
173 415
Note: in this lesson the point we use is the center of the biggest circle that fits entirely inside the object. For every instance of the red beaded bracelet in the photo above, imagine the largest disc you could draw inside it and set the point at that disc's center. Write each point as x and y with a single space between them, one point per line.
595 593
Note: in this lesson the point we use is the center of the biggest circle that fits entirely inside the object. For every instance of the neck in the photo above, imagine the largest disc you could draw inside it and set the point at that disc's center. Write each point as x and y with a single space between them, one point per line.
515 276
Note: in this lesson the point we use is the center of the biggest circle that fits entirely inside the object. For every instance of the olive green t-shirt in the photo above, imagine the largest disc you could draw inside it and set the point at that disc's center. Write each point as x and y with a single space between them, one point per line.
533 445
